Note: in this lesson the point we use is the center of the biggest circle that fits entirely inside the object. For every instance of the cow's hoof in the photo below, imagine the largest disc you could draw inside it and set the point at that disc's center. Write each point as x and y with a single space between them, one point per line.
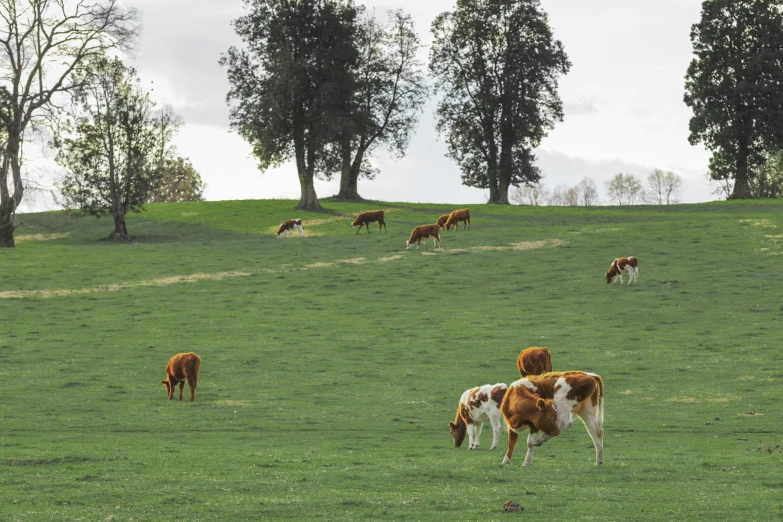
491 449
506 461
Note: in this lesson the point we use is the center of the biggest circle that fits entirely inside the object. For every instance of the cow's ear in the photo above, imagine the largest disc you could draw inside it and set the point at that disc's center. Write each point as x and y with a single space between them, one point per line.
452 425
541 404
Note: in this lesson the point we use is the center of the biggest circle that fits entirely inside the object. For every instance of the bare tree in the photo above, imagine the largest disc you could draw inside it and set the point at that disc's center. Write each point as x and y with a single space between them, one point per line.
624 189
43 43
571 197
557 198
662 187
532 195
588 192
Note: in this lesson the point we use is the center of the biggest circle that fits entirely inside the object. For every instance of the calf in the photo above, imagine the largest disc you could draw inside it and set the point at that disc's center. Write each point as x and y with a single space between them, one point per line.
457 216
622 265
182 367
477 406
442 220
569 392
365 218
534 361
422 233
291 224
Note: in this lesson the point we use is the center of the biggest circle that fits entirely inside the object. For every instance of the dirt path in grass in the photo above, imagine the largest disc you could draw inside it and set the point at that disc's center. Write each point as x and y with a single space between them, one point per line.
57 292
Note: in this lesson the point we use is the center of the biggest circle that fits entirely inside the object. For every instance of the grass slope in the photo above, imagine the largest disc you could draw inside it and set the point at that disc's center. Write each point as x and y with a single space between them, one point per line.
331 364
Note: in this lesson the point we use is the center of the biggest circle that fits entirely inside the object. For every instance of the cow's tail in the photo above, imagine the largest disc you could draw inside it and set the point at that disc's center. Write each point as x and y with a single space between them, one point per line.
548 367
600 391
196 367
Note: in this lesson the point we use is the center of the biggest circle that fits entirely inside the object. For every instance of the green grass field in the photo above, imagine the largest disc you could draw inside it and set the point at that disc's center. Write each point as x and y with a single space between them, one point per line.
332 364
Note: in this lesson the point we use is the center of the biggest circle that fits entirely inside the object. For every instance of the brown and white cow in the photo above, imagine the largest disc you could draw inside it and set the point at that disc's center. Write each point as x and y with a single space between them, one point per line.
291 224
568 393
442 220
457 216
621 265
182 367
421 233
534 361
365 218
477 406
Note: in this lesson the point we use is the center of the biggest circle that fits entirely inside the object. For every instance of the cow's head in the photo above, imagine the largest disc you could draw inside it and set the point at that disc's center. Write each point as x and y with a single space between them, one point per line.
546 418
165 384
610 275
458 430
408 245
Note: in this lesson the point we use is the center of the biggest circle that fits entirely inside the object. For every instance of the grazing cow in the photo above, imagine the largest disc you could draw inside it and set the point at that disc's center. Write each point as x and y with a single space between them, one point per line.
621 265
534 361
291 224
442 220
568 393
365 218
477 406
422 233
457 216
182 367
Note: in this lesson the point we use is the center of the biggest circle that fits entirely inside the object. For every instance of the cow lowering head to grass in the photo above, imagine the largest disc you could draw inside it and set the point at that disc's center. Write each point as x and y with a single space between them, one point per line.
623 265
182 367
442 220
289 225
457 216
567 393
534 361
477 406
423 232
365 218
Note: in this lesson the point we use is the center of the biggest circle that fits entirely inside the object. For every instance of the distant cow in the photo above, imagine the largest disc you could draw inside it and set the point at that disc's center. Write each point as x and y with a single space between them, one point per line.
365 218
442 220
422 233
291 224
182 367
531 402
621 265
477 406
534 361
457 216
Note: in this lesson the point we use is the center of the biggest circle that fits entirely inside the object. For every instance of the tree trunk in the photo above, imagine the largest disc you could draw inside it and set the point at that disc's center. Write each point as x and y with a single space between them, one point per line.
120 232
741 185
6 228
504 185
308 200
349 176
10 201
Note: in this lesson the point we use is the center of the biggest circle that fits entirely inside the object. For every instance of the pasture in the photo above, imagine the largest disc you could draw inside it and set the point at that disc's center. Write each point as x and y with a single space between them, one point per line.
332 364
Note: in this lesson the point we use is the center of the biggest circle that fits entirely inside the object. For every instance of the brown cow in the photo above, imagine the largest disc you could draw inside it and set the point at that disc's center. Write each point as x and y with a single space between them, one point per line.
365 218
291 224
442 220
457 216
534 361
622 265
182 367
422 233
569 392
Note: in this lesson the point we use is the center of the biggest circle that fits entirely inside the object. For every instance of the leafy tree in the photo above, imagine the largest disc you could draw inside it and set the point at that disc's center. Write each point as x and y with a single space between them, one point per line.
624 189
292 83
588 192
43 44
118 145
178 181
662 187
734 84
767 181
497 65
388 91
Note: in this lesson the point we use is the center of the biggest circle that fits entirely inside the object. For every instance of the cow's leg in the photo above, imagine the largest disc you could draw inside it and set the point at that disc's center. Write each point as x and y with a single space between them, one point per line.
477 436
192 386
531 443
471 435
513 437
592 417
170 389
181 387
495 433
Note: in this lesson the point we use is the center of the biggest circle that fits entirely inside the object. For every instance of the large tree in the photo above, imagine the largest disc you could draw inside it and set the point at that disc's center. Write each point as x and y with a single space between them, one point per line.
497 66
388 91
43 44
178 181
734 85
118 146
291 83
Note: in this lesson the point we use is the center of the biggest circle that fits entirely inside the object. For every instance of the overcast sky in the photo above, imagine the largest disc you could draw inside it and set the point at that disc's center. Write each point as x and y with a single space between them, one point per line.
623 100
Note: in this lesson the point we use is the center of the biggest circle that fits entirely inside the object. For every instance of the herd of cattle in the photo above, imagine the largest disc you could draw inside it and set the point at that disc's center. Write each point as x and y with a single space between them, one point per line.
542 402
419 234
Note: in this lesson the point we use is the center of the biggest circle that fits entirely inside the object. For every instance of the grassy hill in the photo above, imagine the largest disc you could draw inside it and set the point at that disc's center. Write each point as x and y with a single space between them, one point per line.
332 364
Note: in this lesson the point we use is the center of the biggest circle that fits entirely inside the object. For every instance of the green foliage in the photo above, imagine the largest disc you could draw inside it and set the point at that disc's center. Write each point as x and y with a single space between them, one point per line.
733 86
326 386
767 181
624 189
179 181
496 65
